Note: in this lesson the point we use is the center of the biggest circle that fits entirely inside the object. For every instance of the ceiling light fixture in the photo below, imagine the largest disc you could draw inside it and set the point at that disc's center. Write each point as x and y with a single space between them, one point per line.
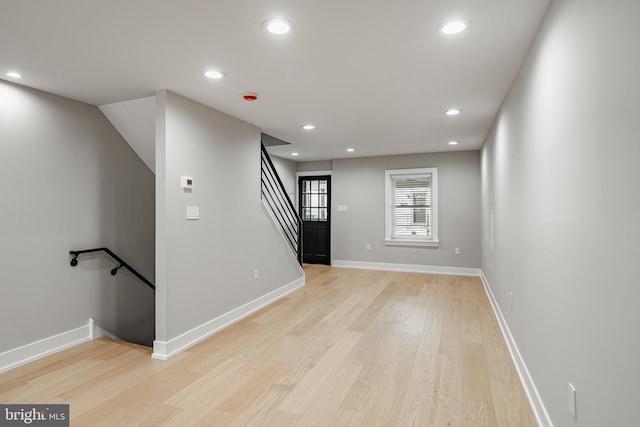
277 26
214 74
454 142
453 111
455 26
308 127
294 154
351 150
14 75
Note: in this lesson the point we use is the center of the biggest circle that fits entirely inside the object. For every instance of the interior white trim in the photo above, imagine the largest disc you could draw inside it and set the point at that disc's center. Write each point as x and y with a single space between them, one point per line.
398 242
36 350
165 350
409 268
537 405
313 173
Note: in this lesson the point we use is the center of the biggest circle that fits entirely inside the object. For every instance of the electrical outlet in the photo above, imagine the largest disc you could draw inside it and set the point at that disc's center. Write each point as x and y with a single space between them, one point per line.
255 274
368 246
572 401
457 251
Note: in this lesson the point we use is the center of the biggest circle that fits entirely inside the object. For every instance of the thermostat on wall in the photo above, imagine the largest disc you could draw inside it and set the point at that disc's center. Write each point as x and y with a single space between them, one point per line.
186 183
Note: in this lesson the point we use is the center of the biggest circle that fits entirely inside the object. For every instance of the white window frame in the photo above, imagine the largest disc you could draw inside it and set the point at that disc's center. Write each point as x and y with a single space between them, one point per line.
389 211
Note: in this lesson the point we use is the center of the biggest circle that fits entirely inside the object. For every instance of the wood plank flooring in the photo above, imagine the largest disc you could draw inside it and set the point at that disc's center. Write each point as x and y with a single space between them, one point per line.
353 348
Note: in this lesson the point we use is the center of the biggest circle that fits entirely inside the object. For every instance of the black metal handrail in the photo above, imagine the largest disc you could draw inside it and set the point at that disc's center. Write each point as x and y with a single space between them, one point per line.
275 195
114 271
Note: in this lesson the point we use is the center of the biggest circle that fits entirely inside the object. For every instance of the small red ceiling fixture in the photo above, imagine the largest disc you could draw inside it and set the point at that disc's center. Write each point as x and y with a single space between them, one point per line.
250 97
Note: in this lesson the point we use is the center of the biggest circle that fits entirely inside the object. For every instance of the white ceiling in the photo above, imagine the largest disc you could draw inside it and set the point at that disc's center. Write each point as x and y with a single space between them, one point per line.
370 74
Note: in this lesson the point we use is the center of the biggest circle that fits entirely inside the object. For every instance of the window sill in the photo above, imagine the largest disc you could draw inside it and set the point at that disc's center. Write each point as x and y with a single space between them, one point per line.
399 242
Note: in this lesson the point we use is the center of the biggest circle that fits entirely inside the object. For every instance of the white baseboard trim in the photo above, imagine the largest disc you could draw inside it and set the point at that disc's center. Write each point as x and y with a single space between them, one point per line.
537 405
408 268
165 350
36 350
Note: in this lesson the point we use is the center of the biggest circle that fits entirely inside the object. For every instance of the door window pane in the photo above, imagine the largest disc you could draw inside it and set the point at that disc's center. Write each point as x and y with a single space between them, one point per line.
323 214
314 199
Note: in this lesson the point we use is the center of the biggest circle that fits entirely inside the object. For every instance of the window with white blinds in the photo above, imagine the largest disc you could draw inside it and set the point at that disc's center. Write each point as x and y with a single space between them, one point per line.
411 207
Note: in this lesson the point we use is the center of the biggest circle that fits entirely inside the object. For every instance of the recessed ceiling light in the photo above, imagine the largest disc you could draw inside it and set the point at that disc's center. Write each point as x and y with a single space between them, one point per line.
453 111
308 127
454 142
277 26
294 154
214 74
455 26
14 75
351 150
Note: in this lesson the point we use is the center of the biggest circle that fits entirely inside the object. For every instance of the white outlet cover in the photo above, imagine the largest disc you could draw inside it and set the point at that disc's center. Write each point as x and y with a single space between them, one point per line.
343 208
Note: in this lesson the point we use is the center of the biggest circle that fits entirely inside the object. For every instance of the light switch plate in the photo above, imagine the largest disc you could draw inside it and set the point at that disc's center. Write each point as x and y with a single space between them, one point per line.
193 212
343 208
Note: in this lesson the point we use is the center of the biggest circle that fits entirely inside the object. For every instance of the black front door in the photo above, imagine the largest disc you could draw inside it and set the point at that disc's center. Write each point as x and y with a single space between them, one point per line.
315 210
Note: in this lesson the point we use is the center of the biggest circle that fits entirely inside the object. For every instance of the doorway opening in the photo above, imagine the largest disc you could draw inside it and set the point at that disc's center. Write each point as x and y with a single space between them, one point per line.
314 200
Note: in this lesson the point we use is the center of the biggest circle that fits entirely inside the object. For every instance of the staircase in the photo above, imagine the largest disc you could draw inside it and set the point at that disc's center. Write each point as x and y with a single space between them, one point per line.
277 201
129 296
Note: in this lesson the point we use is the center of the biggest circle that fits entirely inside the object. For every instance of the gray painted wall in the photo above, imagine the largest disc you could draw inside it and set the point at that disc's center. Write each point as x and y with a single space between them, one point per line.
69 181
322 165
360 184
205 267
287 172
560 175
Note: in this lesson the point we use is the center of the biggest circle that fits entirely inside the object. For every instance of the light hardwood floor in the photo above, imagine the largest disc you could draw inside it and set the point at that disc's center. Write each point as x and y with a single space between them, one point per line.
353 348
